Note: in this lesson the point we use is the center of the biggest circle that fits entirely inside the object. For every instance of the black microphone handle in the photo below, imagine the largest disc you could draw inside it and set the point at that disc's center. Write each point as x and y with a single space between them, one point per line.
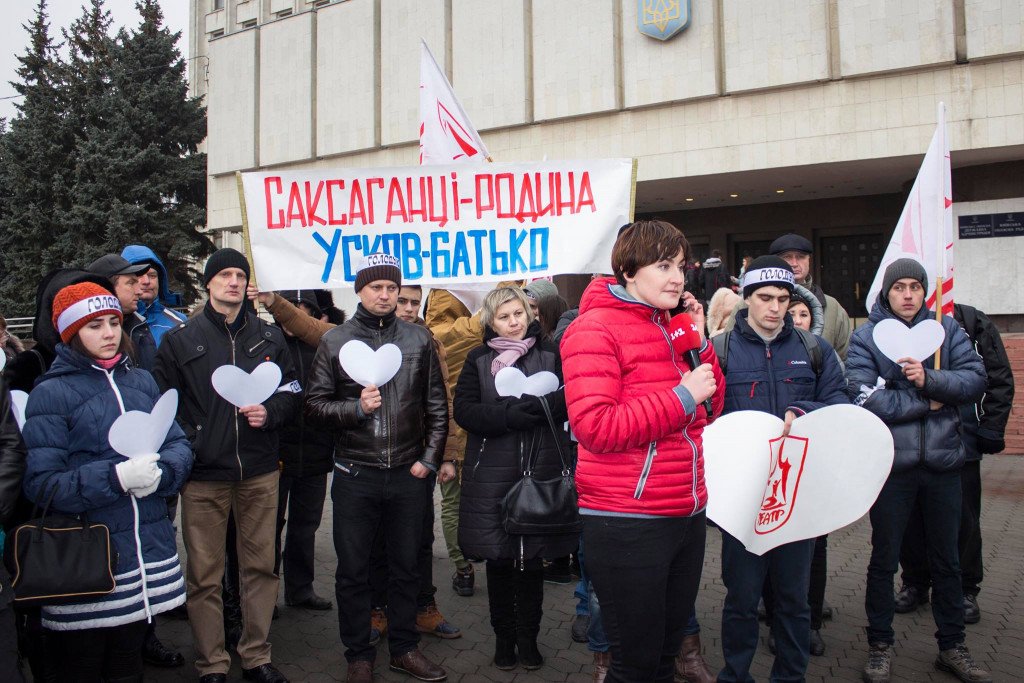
693 360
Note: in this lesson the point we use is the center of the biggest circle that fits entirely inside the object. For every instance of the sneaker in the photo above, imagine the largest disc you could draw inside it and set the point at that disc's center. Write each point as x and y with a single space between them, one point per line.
958 661
580 626
910 598
972 613
378 625
879 666
462 582
430 620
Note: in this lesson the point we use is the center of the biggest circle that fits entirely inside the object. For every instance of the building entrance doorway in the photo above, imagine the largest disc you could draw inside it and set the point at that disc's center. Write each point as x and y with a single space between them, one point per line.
848 266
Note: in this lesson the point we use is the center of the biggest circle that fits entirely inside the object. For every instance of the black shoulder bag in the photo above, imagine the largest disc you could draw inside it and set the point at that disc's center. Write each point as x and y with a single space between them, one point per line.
543 507
59 560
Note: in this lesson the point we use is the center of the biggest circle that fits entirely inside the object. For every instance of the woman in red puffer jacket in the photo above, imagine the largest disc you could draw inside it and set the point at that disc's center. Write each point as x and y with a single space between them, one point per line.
635 407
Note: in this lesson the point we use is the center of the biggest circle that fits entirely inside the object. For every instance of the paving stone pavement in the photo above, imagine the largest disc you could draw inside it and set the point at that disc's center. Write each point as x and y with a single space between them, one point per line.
306 646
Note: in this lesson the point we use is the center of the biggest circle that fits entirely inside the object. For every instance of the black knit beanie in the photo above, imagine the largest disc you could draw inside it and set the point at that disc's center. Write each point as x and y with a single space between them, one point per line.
378 267
901 268
224 258
767 271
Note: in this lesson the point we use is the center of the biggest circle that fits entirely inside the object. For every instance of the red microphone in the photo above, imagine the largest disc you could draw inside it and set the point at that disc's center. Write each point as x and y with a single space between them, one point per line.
685 338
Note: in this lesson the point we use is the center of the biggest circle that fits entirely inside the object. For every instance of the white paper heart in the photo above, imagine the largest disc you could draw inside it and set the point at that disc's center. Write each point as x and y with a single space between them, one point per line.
19 399
368 367
138 433
895 340
512 382
823 480
3 361
241 388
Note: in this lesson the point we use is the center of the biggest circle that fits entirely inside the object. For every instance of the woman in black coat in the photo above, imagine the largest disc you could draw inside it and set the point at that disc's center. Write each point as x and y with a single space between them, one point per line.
502 434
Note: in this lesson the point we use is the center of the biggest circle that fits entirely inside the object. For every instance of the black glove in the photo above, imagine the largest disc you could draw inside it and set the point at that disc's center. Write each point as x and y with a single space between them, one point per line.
522 415
991 446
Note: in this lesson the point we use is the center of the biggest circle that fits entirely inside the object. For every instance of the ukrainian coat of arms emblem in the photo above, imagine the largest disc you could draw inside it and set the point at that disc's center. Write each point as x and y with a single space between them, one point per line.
662 19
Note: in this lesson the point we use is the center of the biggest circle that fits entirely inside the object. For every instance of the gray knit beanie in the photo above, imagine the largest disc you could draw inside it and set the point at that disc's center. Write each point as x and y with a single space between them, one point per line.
901 268
541 289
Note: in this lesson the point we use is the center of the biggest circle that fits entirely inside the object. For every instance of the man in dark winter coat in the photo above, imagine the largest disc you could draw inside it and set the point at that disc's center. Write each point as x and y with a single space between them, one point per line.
12 469
388 440
770 367
307 457
714 275
236 465
921 406
984 426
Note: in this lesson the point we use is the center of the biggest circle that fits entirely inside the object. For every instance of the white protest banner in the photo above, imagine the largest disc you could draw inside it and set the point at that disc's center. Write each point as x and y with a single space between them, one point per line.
767 491
447 224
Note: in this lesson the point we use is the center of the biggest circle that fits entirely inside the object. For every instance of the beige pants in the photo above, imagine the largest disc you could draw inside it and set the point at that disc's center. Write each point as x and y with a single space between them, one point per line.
204 511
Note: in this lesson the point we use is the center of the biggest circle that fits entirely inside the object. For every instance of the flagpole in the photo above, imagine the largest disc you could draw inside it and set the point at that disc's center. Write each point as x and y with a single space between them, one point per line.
940 232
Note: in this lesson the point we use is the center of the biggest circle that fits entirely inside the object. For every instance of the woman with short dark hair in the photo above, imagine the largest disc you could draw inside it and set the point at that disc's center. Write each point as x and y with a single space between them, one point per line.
635 407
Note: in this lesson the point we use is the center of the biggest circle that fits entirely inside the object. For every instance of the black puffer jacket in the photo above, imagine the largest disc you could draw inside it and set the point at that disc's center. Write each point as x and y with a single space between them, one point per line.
305 450
922 437
502 432
226 447
412 423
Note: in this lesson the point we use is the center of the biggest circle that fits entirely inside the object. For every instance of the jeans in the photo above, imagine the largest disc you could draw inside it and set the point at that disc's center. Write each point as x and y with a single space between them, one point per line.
582 590
365 500
109 654
914 552
425 561
646 572
301 505
744 573
938 495
816 589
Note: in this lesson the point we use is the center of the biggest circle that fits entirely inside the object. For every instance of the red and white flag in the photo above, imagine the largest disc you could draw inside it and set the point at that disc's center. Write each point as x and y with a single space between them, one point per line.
446 133
925 230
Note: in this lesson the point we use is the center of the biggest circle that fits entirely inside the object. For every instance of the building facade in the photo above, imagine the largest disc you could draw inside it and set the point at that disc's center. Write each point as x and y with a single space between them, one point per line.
758 118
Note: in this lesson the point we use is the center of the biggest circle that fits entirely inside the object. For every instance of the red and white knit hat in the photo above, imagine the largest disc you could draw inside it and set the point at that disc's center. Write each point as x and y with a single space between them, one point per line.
75 305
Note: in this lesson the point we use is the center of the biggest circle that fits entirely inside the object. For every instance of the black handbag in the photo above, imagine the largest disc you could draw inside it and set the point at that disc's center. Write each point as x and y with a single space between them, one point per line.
542 507
58 560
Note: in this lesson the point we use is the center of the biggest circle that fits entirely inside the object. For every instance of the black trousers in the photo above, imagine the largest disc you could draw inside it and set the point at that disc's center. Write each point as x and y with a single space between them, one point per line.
425 560
816 587
914 553
107 655
645 572
367 499
300 503
10 670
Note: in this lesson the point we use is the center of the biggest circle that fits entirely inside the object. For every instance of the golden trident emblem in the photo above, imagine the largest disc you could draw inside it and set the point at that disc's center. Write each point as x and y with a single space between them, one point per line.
660 12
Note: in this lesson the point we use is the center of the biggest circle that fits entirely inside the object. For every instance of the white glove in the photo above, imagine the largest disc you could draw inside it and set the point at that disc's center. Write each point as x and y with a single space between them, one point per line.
143 492
138 473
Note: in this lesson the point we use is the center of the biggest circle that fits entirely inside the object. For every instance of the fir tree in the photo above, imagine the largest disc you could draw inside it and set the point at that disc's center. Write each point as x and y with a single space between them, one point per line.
37 156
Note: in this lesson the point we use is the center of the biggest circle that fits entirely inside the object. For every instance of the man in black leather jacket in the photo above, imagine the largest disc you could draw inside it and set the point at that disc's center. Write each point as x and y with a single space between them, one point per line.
236 466
388 439
12 468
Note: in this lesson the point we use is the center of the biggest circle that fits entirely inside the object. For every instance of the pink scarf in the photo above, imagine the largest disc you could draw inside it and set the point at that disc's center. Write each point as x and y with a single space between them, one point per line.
108 364
509 351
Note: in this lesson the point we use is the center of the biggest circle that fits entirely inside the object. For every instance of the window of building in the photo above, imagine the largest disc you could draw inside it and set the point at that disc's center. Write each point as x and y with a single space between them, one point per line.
218 4
283 13
216 34
249 24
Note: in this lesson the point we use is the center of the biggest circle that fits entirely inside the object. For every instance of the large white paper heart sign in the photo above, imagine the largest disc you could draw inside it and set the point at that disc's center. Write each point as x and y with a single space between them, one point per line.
241 388
137 433
368 367
19 399
767 491
895 340
512 382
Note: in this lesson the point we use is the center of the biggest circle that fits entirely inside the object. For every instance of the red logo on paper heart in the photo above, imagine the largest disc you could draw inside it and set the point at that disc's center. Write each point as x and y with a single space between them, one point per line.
787 465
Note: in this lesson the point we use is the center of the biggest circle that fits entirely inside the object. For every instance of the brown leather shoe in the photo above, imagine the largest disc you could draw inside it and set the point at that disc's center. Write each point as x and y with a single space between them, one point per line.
360 671
690 664
602 662
416 665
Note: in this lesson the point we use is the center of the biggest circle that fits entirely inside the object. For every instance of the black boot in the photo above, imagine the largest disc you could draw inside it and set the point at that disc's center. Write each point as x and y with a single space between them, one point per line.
501 599
529 608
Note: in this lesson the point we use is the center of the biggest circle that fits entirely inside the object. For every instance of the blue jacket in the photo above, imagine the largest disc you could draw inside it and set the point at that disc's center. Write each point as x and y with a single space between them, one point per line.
923 437
159 318
68 416
778 376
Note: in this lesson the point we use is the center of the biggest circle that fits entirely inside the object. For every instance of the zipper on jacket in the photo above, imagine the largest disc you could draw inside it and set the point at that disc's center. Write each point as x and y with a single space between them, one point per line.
771 377
693 449
135 510
238 436
479 456
652 450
